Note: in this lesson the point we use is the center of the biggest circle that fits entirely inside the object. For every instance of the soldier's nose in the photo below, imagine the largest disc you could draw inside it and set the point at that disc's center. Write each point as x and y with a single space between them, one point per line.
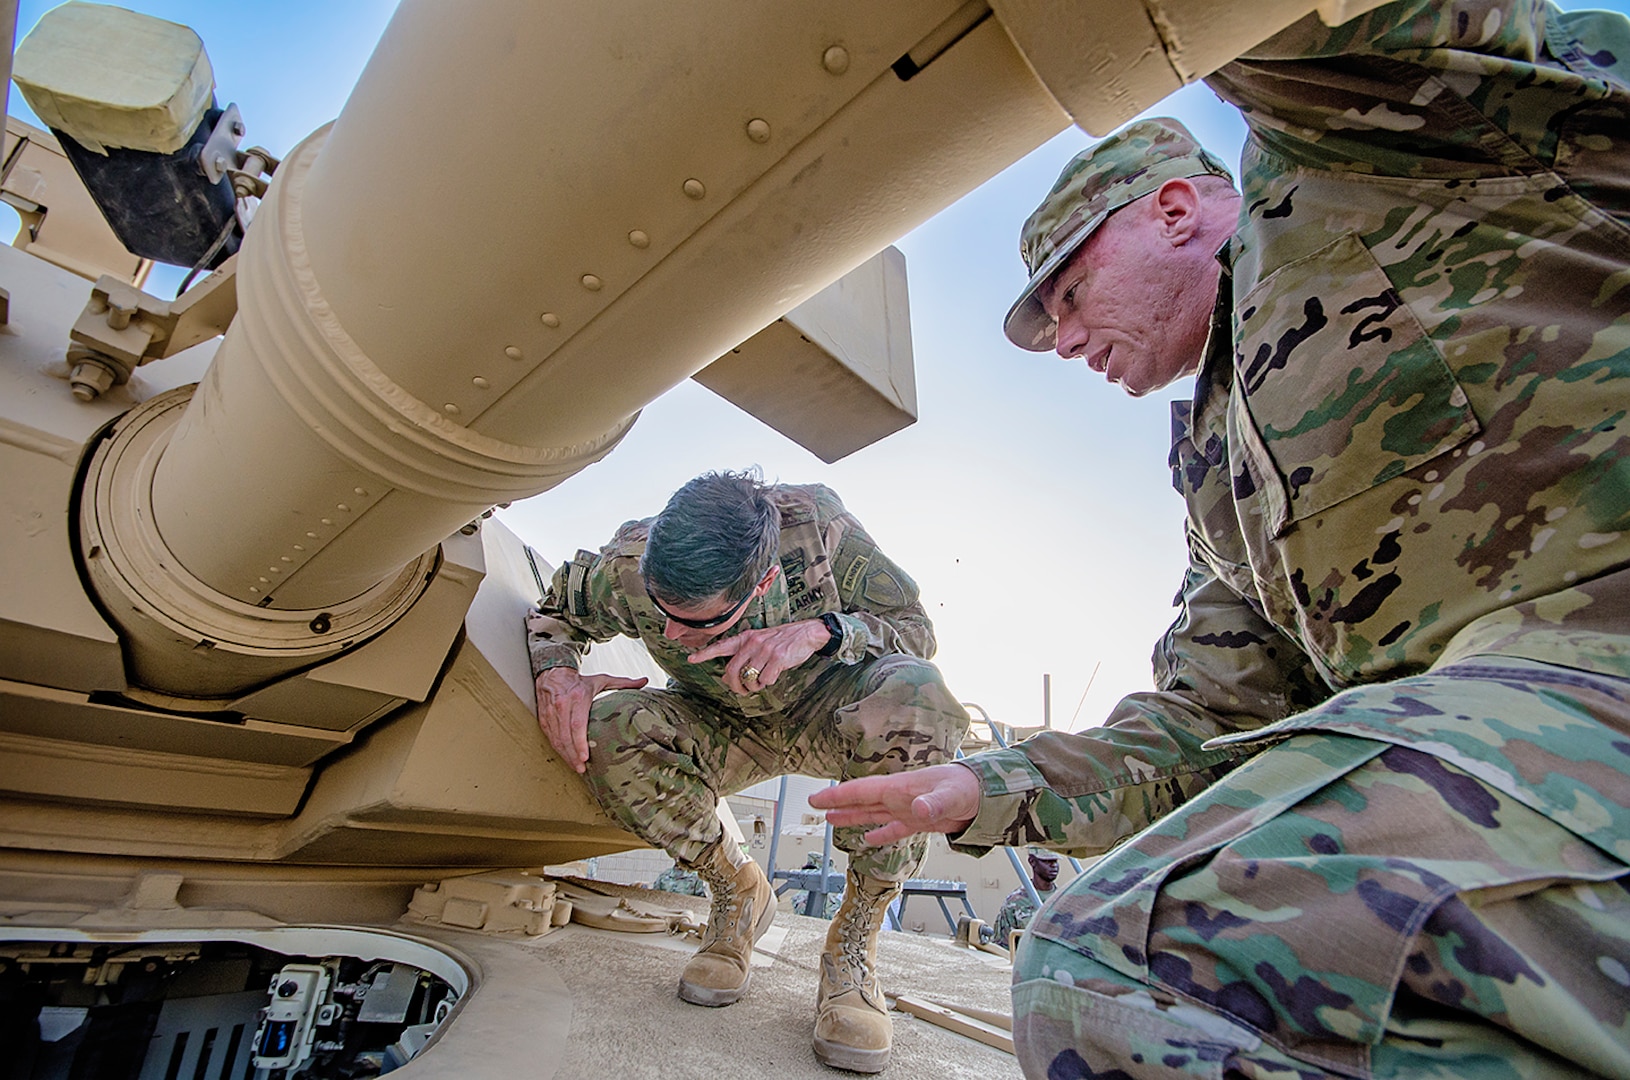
1068 344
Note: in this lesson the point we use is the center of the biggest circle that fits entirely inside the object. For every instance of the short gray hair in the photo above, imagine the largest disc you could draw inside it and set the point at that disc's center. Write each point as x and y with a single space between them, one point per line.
716 537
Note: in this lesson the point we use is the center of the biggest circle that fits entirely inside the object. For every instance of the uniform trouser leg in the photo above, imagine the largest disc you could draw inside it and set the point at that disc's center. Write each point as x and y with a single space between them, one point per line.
658 760
880 717
1343 906
655 759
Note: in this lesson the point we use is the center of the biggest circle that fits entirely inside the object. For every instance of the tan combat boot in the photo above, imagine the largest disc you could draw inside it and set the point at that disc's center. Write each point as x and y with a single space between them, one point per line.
743 909
852 1026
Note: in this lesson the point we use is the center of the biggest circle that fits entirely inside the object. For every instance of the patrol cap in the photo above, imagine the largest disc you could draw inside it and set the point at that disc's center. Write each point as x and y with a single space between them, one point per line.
1117 170
1043 854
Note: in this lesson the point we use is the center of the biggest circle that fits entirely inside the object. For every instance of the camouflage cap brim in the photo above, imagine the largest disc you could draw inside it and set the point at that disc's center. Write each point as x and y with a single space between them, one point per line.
1027 324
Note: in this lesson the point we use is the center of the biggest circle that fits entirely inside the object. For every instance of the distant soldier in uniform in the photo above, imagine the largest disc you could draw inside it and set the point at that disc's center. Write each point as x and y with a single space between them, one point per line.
794 646
676 879
1018 909
1387 762
800 897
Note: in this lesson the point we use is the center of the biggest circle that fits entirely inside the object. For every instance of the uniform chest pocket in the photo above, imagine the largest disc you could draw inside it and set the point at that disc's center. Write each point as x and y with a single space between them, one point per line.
1343 388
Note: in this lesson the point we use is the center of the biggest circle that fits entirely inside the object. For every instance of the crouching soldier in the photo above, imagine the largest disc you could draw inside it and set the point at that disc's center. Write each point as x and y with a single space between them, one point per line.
793 645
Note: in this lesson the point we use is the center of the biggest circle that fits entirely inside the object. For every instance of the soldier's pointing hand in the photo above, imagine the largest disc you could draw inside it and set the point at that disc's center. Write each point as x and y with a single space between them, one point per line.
564 696
758 657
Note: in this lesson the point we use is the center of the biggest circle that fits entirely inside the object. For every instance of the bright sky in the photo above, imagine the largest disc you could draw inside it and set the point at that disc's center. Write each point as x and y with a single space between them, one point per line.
1030 501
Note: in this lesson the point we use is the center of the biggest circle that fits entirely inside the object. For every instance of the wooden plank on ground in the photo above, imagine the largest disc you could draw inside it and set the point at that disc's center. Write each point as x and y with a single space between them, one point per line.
957 1021
990 1016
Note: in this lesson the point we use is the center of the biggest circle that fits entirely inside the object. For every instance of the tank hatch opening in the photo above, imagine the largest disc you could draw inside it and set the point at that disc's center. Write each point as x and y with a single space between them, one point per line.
267 1004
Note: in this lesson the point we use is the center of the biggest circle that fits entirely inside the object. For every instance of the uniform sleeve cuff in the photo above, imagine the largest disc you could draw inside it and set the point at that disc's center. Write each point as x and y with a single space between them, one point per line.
1006 778
549 654
852 649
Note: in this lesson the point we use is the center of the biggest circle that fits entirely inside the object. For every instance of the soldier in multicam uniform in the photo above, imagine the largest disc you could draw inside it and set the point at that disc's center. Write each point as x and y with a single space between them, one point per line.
793 645
676 879
1018 909
1387 765
800 897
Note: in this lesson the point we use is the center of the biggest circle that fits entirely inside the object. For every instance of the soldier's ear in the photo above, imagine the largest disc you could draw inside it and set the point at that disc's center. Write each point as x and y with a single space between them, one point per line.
769 576
1176 206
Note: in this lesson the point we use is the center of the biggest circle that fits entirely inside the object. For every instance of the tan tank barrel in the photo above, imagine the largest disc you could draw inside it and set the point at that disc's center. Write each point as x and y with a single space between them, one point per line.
529 221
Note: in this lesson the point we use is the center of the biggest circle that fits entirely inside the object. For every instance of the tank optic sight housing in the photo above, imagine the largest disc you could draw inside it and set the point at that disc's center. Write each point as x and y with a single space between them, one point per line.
139 122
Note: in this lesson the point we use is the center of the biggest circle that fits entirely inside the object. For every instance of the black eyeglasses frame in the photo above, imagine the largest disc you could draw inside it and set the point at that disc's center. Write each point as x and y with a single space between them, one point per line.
699 624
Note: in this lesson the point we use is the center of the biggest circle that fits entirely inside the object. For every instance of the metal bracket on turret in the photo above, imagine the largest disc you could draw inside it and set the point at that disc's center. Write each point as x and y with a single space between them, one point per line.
123 327
251 177
220 151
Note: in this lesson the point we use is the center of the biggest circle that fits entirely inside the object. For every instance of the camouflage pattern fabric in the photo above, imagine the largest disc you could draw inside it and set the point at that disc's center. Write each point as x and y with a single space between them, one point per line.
1419 422
800 900
1409 526
1122 168
1440 858
1017 911
828 564
800 897
676 879
660 759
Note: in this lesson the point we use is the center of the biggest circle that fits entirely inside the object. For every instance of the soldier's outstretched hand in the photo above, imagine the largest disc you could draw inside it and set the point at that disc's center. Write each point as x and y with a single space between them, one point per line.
563 708
940 798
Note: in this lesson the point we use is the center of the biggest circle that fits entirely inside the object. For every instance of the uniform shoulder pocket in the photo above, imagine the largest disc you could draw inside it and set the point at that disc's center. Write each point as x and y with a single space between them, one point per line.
1343 388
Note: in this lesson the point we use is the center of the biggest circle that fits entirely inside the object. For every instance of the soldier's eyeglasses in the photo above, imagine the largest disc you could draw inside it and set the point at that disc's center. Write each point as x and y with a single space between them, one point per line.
698 624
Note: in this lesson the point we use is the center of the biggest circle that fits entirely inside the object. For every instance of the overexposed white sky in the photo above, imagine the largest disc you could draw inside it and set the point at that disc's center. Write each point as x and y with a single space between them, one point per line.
1030 501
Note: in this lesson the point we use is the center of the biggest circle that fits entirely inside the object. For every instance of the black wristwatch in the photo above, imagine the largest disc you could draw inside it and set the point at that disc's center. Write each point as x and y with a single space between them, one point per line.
835 628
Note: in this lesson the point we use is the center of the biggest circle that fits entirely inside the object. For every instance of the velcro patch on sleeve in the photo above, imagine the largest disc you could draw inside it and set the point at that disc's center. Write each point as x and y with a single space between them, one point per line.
577 601
883 590
853 574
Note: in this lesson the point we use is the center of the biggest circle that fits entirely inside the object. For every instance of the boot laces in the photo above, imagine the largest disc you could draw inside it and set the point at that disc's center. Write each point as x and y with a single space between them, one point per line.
725 902
856 970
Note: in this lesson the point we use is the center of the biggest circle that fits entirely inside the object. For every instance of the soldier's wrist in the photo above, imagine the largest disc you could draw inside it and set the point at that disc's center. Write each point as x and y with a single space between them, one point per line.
834 630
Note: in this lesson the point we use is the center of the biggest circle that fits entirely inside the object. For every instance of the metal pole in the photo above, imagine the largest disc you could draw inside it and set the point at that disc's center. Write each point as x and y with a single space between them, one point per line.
1024 877
1046 700
775 834
1071 725
1075 864
1012 856
826 868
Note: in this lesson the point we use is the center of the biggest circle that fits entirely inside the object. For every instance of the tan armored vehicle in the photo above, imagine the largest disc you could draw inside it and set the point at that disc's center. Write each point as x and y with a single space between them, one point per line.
262 671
